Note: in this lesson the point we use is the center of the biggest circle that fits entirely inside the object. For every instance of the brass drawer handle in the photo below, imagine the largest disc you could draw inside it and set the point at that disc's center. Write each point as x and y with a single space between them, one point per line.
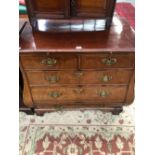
109 61
49 61
106 78
78 90
53 79
55 94
78 74
104 93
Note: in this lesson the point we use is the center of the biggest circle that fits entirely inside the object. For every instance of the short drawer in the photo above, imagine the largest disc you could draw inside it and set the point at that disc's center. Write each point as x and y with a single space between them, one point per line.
45 78
107 61
53 95
49 62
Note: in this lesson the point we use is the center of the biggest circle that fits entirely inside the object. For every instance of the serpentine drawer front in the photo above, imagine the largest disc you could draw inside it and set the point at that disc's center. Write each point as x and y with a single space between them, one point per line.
80 69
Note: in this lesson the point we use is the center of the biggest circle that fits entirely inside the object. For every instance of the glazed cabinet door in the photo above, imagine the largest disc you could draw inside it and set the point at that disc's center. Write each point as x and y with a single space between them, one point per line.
88 8
49 8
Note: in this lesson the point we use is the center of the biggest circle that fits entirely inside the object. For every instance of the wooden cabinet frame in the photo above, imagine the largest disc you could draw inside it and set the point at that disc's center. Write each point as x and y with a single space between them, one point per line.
70 11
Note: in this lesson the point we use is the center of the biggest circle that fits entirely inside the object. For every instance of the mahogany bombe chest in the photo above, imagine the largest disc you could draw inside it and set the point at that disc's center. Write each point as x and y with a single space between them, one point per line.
78 69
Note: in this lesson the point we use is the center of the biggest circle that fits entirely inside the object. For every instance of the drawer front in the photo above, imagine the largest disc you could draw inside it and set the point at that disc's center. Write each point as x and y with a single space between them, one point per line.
53 95
106 77
49 62
107 61
79 77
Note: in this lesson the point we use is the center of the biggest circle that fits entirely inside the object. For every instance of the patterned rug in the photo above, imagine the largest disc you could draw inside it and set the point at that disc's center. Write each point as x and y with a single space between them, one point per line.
85 132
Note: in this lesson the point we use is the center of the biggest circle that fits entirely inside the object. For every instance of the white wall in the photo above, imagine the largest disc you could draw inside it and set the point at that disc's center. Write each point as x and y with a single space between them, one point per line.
131 1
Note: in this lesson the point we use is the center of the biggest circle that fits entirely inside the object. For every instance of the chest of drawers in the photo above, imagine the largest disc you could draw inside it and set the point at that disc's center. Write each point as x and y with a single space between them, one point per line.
78 69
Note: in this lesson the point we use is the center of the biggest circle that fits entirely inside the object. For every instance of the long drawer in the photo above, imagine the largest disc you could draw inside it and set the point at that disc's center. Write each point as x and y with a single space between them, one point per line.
53 95
45 78
50 62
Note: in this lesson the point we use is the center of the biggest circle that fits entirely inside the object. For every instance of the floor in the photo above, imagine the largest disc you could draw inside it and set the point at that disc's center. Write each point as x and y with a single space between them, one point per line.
78 132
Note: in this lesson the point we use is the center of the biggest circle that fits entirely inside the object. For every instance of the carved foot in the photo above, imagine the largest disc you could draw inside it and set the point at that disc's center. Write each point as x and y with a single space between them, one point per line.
117 111
28 111
39 112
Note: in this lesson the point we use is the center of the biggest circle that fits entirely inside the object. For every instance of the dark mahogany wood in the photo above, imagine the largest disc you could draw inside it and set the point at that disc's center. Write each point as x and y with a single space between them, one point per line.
78 69
119 38
50 10
117 110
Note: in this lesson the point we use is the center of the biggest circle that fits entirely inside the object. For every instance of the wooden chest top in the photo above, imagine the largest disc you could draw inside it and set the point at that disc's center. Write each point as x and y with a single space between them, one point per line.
118 38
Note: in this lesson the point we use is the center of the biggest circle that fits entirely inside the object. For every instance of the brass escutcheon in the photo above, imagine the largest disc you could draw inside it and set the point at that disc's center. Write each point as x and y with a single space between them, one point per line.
78 74
106 78
53 79
78 90
103 93
55 94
